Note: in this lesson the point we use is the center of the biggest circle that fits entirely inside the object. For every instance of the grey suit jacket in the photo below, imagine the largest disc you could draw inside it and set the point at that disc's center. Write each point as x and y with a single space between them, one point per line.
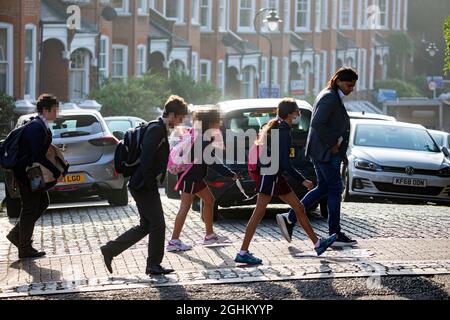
329 122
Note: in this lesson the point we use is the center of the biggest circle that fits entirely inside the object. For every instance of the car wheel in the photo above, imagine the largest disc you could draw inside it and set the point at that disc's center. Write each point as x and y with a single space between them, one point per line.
216 215
171 182
118 198
13 206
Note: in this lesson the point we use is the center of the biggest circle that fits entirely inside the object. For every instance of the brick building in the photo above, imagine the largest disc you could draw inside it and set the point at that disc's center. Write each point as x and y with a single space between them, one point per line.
212 40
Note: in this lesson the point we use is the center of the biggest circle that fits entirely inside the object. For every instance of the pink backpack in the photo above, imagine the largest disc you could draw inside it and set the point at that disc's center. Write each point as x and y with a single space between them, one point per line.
179 156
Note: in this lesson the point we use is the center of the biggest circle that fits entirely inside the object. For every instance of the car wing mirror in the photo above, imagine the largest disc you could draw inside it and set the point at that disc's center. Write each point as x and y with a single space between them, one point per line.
445 151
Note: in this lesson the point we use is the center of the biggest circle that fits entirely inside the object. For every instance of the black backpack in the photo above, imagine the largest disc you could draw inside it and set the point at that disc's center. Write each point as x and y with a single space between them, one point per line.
9 149
127 156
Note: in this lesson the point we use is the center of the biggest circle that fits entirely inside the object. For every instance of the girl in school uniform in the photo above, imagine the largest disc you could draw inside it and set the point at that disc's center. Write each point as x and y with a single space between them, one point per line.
192 183
269 186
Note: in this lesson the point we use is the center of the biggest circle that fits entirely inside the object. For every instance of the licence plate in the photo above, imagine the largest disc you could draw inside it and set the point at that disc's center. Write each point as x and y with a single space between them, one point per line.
420 183
292 154
73 178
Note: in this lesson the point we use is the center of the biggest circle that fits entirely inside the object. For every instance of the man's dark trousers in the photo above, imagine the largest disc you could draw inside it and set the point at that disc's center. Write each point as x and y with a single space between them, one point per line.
152 223
34 205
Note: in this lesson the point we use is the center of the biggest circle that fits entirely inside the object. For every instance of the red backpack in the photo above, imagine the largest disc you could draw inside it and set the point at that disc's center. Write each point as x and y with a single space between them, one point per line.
254 154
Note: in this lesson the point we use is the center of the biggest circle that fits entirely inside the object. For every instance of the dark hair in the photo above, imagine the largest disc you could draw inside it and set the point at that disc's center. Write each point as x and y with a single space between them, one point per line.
46 101
208 116
175 105
285 108
343 74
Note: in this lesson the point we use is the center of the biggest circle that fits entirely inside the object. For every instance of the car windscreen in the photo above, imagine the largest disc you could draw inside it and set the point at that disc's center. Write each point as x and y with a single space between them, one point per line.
395 137
119 125
75 126
438 138
255 119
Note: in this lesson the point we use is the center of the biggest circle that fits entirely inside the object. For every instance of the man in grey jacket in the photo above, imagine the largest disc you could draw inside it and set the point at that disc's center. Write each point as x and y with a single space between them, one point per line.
327 148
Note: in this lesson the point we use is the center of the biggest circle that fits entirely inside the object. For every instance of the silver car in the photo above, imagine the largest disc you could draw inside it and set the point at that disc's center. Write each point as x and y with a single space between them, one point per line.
120 125
88 145
442 138
395 160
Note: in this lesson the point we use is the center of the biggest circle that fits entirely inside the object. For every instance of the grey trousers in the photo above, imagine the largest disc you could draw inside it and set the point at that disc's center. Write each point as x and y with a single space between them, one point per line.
152 223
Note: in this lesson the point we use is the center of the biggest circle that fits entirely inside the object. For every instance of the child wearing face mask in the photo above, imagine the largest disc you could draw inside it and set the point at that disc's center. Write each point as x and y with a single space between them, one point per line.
275 185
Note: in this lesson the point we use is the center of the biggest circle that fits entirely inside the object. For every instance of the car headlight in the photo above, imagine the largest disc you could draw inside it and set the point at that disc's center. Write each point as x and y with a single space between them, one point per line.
367 165
444 172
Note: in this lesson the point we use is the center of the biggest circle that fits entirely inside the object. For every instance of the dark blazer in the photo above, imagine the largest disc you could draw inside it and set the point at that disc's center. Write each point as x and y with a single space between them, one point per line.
154 157
34 144
329 122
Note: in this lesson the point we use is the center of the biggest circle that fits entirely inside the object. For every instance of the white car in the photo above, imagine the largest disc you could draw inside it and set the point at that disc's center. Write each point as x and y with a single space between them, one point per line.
395 160
442 138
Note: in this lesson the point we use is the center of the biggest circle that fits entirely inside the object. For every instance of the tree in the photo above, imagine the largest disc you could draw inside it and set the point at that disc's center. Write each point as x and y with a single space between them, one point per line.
141 97
401 48
6 114
447 47
138 97
404 89
197 93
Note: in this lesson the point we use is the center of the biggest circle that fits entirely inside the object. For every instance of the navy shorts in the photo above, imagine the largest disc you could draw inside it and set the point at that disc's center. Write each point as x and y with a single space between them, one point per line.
190 186
273 186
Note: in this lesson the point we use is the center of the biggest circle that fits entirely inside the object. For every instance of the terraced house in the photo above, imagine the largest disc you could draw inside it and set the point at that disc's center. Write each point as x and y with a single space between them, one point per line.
212 40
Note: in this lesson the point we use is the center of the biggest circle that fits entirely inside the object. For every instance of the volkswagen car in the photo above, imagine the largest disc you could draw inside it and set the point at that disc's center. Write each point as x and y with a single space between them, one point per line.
396 160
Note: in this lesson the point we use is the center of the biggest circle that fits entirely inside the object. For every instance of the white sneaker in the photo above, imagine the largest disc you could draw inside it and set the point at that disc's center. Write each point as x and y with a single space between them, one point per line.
177 245
215 239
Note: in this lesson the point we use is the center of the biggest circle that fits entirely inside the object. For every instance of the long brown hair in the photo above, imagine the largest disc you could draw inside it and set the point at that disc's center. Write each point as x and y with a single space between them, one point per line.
343 74
285 108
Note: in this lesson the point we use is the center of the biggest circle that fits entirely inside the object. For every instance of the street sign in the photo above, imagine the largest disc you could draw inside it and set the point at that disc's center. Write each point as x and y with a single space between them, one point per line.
438 80
386 95
298 88
264 91
432 85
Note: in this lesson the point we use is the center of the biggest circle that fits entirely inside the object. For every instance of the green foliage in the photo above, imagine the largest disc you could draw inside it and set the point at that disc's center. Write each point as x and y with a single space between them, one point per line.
141 97
6 114
136 97
404 89
447 48
401 48
193 92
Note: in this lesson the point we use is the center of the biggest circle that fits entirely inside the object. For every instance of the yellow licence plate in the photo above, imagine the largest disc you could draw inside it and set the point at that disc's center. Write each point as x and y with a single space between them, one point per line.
73 178
292 155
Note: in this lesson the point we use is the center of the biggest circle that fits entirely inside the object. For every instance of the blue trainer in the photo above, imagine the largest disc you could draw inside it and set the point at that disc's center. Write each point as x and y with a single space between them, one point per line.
325 243
247 258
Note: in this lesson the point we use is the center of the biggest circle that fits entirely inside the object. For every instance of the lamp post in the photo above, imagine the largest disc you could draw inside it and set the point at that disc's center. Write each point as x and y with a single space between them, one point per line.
272 20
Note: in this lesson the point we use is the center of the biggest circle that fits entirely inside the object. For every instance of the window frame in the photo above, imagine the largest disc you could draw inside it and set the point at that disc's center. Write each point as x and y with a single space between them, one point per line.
207 63
208 8
141 48
252 10
307 26
9 55
194 66
179 19
125 9
343 26
32 81
124 63
104 71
